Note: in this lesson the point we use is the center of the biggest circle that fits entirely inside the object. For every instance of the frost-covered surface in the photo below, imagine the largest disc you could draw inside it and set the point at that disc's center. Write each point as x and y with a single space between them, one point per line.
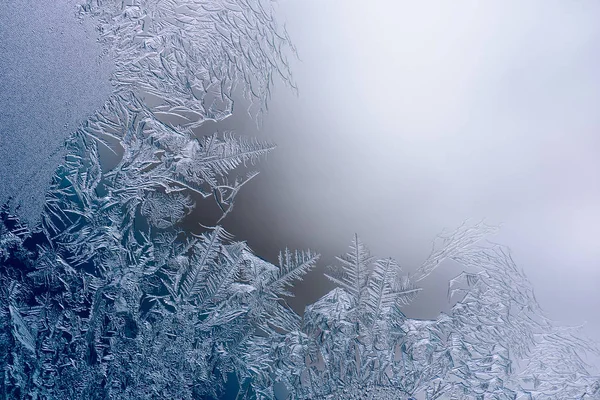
186 58
109 298
92 308
355 342
53 76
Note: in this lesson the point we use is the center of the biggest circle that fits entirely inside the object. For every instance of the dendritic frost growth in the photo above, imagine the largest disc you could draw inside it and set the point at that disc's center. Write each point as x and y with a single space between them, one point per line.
108 297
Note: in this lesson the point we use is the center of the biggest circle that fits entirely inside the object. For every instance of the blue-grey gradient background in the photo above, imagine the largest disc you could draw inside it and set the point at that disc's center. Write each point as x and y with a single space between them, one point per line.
414 116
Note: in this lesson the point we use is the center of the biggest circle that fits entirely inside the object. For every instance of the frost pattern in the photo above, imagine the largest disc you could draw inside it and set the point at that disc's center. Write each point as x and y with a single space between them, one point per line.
109 281
187 57
110 298
355 342
155 316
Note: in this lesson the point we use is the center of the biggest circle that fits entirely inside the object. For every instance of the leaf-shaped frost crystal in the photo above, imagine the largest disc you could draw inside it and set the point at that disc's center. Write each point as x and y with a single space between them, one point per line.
353 274
291 268
165 210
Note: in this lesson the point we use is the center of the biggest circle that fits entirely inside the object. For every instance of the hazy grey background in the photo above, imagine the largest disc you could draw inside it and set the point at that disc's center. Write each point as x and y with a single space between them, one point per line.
52 77
414 116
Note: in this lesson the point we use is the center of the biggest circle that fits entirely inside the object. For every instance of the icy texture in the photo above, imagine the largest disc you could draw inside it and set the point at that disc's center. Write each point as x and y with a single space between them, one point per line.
95 313
52 77
109 298
355 342
94 309
186 57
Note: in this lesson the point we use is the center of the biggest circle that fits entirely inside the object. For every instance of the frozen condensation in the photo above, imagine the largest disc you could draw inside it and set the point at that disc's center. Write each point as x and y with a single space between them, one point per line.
355 342
109 298
188 59
53 75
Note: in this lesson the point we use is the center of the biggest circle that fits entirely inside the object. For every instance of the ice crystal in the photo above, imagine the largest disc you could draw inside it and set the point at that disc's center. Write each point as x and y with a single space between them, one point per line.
187 56
355 342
